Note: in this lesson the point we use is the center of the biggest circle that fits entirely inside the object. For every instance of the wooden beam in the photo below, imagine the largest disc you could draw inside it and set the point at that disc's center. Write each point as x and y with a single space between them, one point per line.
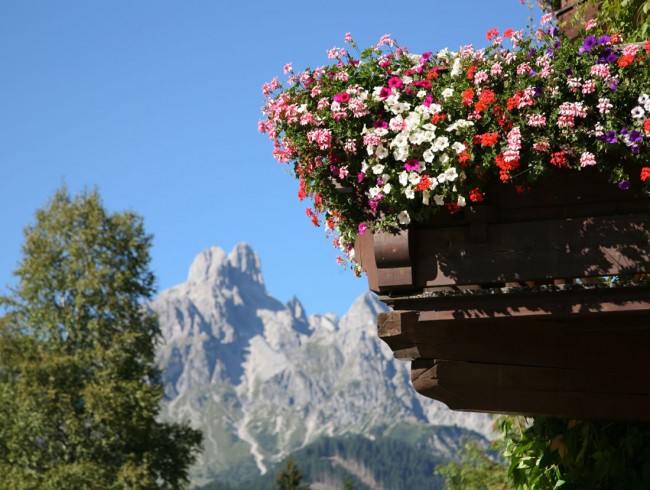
529 399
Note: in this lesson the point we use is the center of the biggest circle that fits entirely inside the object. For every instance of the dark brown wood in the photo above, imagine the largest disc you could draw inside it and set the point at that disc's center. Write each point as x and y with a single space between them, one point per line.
573 14
575 343
528 391
500 308
544 235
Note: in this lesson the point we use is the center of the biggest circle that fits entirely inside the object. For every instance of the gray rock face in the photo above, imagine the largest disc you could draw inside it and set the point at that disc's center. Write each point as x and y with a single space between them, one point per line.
262 379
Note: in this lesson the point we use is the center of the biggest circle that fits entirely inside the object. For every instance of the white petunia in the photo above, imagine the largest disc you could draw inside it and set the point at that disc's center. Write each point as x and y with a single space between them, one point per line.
459 147
461 201
427 156
414 178
433 108
448 175
381 152
401 154
456 68
404 218
440 143
400 141
387 188
638 113
417 137
409 193
448 92
439 199
426 195
377 169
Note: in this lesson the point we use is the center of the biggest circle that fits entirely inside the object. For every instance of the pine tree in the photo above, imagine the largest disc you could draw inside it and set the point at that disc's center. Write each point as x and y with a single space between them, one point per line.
79 390
290 478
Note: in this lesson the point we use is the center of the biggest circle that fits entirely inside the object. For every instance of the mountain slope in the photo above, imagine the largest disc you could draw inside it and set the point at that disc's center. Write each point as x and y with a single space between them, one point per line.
262 379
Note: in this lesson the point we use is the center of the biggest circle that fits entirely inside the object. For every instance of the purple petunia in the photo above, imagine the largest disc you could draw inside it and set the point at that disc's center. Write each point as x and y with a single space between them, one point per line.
587 44
609 137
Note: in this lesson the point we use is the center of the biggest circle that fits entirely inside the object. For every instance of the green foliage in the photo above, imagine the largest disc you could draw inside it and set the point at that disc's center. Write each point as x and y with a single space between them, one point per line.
631 18
475 469
548 453
290 478
79 390
574 454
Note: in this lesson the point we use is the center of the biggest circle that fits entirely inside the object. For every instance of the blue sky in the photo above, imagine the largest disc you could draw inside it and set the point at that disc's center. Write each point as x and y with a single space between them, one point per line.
156 103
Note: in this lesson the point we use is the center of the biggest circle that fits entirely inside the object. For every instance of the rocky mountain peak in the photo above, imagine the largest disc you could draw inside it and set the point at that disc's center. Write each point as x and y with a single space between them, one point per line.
262 378
213 266
207 266
244 259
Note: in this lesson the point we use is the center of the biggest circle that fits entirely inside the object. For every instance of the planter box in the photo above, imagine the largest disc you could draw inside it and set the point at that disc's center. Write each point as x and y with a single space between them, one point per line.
499 310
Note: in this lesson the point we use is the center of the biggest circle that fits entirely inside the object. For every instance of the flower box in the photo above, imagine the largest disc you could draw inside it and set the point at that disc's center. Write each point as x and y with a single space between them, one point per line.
489 195
569 226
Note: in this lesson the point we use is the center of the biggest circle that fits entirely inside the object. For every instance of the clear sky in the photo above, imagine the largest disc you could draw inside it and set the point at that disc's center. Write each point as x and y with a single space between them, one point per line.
156 103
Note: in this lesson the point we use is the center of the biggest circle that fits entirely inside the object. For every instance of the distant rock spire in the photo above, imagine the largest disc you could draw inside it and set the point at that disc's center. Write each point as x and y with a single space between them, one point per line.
244 258
207 266
213 266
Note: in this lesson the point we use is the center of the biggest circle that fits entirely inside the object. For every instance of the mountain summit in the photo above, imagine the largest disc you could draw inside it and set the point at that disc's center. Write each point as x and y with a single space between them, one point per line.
263 379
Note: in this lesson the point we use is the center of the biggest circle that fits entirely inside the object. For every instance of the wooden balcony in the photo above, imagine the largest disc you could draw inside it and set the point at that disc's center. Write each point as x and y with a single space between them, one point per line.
502 309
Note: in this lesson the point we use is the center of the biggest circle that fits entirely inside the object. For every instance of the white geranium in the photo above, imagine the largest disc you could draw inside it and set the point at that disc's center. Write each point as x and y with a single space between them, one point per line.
448 92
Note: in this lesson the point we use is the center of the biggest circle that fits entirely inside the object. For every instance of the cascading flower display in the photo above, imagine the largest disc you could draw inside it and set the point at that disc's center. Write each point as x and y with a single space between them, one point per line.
383 137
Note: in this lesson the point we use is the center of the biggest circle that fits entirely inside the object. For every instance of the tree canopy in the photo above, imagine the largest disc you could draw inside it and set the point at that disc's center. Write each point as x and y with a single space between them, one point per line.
79 389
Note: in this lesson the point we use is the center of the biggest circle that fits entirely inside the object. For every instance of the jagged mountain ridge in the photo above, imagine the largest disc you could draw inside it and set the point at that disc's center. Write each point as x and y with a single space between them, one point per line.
262 379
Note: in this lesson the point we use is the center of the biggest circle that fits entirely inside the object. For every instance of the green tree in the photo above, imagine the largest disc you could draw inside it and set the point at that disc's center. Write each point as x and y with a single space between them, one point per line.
347 484
290 478
475 469
79 390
